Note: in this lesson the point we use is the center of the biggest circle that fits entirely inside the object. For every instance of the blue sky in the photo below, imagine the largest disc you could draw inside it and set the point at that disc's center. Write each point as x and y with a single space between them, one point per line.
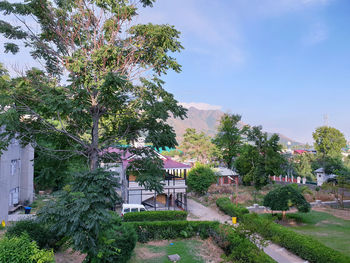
282 64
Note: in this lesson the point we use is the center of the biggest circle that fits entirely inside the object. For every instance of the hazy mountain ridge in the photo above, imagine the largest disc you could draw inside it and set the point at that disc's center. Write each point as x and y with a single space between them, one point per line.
207 121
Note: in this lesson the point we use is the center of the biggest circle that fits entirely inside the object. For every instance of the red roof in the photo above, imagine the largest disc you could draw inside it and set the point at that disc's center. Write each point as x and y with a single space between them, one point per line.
299 151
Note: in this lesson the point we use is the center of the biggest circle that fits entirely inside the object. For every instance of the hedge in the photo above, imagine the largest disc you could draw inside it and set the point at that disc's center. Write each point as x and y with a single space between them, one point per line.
22 250
302 245
155 216
158 230
226 206
237 247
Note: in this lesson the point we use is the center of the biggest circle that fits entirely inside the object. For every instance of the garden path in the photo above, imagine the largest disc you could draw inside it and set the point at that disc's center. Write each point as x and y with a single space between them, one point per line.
198 211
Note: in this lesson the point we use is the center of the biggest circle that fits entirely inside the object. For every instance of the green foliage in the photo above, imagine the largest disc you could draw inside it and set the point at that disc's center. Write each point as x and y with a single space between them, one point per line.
36 231
200 177
304 246
198 146
229 137
237 247
256 163
82 210
158 230
22 250
226 206
155 216
116 243
302 165
282 198
328 141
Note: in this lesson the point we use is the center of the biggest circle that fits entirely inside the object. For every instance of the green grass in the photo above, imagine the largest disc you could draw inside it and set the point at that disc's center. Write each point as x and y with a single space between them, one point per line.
332 231
188 250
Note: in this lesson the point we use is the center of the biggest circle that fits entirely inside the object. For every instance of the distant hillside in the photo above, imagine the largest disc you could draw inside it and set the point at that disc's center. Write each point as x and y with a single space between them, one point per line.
207 121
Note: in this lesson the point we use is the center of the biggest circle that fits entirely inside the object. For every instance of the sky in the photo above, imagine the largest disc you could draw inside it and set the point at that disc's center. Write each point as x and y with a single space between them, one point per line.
282 64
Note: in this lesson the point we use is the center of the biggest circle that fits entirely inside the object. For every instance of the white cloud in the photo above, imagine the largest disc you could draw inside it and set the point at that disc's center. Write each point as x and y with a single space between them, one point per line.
200 106
317 34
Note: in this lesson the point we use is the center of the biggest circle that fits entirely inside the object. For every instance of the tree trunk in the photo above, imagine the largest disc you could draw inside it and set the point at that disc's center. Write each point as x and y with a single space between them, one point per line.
93 156
283 215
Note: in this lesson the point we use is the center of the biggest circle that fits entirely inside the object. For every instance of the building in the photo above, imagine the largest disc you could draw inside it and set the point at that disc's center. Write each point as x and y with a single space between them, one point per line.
174 191
322 177
226 176
16 178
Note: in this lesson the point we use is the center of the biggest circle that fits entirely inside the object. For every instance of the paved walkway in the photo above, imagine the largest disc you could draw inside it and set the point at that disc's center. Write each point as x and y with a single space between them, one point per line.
198 211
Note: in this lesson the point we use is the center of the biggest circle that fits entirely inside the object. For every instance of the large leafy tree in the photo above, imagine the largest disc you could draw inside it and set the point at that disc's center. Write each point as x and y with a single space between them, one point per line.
198 146
282 198
200 178
100 82
260 159
328 141
229 137
302 165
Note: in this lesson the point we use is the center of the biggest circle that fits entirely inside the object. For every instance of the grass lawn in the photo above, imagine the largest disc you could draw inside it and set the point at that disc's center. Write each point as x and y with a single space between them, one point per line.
332 231
190 251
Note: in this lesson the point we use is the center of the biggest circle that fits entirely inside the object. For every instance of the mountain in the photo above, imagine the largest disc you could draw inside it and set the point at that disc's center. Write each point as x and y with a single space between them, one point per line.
207 121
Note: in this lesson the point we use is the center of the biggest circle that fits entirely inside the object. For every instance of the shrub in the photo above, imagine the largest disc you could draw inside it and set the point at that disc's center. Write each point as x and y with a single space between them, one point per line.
237 247
155 216
116 243
37 232
226 206
304 246
200 177
22 250
171 229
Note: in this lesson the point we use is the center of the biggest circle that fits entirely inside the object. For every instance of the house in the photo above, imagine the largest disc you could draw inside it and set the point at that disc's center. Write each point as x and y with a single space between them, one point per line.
226 176
174 191
16 178
322 176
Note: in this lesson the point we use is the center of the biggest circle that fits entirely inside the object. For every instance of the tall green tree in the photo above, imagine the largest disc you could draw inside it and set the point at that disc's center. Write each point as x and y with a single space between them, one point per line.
229 137
302 165
328 141
260 159
102 57
198 146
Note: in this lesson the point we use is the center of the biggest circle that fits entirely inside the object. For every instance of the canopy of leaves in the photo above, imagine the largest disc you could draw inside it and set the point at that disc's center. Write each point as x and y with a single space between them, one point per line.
259 161
328 141
198 146
282 198
229 137
112 91
200 177
302 165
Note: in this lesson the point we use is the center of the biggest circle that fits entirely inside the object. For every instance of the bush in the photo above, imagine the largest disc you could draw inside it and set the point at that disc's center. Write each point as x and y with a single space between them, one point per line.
200 177
304 246
237 247
22 250
155 216
116 243
36 232
226 206
157 230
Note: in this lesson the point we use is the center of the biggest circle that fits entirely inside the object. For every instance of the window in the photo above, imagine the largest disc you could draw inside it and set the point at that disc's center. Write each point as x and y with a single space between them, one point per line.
225 180
142 209
126 210
134 209
13 167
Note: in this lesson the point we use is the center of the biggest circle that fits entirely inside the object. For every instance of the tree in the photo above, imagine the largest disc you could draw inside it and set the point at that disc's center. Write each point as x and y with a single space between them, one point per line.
82 213
282 198
105 98
198 146
259 161
229 137
328 141
302 165
200 178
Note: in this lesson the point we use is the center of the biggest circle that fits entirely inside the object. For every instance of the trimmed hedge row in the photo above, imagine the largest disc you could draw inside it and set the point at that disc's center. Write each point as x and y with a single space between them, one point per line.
226 206
304 246
155 216
157 230
237 247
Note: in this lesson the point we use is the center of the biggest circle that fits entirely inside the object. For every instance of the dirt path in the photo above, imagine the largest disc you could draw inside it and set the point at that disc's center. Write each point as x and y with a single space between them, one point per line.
340 213
198 211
